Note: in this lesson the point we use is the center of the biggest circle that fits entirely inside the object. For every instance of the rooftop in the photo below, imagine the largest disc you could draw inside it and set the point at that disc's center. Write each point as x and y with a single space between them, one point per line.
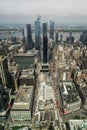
23 98
83 82
28 53
78 124
69 93
27 73
45 92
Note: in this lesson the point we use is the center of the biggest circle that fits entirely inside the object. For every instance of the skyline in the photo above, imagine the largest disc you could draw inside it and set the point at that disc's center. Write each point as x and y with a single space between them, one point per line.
26 11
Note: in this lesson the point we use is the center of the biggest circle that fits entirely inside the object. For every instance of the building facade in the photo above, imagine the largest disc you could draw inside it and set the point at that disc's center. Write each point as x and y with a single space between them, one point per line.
21 111
28 36
45 50
52 30
44 30
37 33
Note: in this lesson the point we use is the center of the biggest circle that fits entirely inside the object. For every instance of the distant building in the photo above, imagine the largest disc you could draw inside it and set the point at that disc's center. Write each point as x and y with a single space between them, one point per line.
45 50
28 36
56 37
70 39
44 30
37 33
61 38
52 30
83 37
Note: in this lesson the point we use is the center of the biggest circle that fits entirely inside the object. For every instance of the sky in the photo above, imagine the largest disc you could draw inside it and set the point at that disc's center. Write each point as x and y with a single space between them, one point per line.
26 11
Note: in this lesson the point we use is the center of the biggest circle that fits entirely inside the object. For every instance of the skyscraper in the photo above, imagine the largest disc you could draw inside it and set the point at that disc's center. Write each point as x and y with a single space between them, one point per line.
4 72
45 44
28 36
83 37
52 30
70 38
37 33
45 49
56 37
44 30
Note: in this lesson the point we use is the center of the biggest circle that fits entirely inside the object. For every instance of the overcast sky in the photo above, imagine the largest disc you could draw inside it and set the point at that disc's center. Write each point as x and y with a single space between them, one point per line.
26 11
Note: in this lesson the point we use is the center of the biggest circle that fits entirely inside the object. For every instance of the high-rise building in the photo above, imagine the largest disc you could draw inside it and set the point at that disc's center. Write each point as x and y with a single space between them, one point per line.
52 30
45 49
83 37
56 37
28 36
26 60
44 30
70 38
61 38
37 33
45 43
4 72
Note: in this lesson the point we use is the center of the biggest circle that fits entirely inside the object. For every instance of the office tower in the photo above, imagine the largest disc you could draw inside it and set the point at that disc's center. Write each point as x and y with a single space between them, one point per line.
14 40
70 38
28 36
44 30
83 37
37 33
4 72
56 37
52 30
26 60
45 49
61 38
23 37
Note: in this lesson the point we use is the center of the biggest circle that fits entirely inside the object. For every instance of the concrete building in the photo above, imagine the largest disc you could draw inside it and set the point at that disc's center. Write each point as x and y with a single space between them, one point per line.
21 111
27 77
14 70
26 60
45 67
80 79
4 106
78 124
45 108
71 100
45 96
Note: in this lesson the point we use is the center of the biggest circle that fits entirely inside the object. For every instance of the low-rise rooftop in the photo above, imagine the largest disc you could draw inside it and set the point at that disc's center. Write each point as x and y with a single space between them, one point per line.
78 124
23 98
69 92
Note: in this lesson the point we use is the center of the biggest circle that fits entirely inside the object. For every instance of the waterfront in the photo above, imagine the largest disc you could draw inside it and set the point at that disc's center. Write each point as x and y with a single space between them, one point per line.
19 34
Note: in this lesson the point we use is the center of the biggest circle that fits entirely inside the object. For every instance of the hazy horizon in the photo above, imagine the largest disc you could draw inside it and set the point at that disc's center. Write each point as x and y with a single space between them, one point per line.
26 11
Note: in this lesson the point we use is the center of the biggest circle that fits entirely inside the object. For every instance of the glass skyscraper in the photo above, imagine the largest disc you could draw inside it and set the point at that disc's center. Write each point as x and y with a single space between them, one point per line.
45 43
44 30
28 36
52 30
37 33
